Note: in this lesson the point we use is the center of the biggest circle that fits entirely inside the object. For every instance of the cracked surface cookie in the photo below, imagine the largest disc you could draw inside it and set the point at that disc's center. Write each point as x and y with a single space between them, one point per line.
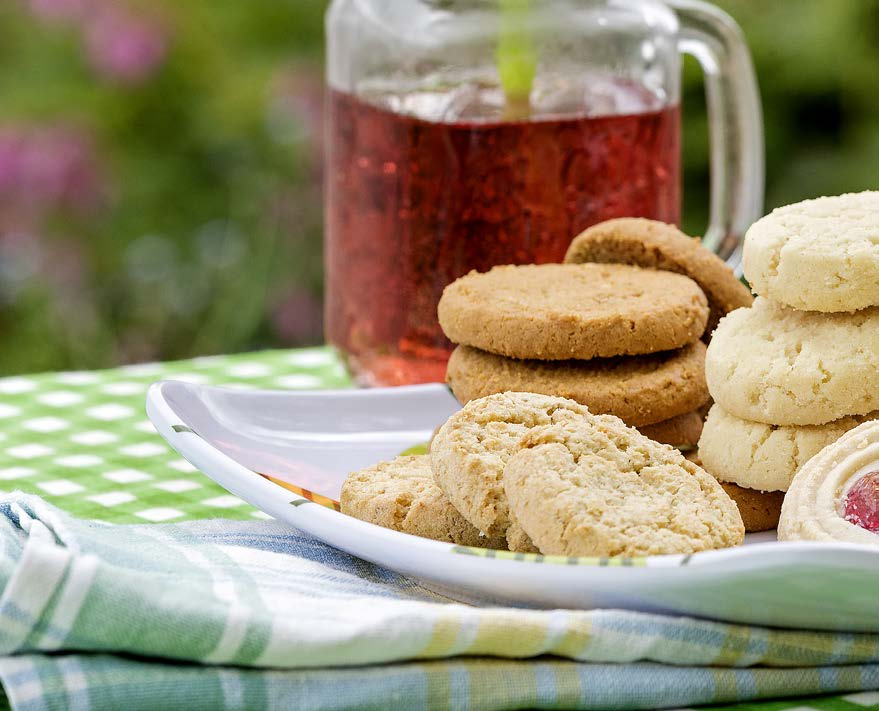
470 451
657 245
772 364
401 494
595 487
642 390
760 456
817 255
564 311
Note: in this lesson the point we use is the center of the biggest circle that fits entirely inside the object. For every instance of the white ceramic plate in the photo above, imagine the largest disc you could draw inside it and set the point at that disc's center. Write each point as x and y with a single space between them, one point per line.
287 453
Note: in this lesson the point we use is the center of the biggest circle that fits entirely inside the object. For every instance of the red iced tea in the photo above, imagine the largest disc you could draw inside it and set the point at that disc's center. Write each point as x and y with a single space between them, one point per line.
413 204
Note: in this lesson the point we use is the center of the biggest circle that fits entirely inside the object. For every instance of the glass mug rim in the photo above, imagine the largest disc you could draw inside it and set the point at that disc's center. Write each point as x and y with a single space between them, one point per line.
658 15
452 5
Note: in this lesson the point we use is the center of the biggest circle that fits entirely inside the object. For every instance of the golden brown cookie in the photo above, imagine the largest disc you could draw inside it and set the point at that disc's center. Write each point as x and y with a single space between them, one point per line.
759 509
657 245
469 453
682 431
641 390
592 486
704 409
401 494
563 311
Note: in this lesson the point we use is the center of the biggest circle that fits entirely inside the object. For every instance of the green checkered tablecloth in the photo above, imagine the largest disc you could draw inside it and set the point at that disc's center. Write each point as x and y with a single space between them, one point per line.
81 441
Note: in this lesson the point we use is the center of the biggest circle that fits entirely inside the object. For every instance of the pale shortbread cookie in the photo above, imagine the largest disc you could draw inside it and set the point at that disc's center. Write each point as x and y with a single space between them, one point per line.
813 507
765 457
641 390
657 245
564 311
772 364
401 494
469 453
817 255
595 487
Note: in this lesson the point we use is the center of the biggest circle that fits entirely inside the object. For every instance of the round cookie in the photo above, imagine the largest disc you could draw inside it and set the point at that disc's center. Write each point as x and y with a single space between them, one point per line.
641 390
594 487
776 365
401 494
682 431
657 245
469 453
563 311
760 456
817 255
813 507
759 509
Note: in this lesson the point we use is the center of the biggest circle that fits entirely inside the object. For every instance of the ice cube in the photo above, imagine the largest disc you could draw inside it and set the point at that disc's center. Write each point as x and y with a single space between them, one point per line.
591 94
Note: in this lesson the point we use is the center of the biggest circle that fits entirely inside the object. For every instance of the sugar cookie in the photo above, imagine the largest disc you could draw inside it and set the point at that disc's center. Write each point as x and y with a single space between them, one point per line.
817 255
760 456
772 364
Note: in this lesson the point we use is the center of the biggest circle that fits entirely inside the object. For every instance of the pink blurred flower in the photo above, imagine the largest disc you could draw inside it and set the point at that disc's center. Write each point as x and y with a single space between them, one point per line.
60 10
48 168
124 47
120 44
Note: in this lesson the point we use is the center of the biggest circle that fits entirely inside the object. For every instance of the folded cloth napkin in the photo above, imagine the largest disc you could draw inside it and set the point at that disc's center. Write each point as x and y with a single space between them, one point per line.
222 614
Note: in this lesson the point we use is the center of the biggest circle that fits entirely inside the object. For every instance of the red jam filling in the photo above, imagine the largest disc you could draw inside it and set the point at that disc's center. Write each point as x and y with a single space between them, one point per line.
861 506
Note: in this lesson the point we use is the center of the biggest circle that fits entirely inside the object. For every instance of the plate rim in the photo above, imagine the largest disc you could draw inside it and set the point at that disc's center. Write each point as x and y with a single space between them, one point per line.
188 443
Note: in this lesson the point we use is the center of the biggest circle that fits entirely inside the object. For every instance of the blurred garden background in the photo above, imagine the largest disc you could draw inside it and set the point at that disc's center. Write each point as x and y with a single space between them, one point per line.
160 164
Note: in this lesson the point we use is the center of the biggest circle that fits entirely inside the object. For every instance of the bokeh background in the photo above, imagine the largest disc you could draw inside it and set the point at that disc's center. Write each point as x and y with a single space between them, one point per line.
160 164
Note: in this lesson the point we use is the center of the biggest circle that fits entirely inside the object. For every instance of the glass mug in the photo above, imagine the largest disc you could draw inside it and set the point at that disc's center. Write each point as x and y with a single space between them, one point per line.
468 133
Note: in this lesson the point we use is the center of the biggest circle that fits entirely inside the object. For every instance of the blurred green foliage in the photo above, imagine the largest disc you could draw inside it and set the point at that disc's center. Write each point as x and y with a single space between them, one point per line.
160 164
817 64
159 183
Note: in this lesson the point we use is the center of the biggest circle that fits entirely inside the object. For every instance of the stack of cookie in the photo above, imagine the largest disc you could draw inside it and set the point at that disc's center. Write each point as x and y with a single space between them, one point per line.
799 368
616 328
534 473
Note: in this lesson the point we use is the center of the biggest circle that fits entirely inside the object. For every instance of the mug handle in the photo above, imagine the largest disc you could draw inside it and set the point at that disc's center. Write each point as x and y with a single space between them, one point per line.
735 122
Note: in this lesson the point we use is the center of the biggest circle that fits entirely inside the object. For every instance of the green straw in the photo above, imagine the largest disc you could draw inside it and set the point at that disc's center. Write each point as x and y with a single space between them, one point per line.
516 56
